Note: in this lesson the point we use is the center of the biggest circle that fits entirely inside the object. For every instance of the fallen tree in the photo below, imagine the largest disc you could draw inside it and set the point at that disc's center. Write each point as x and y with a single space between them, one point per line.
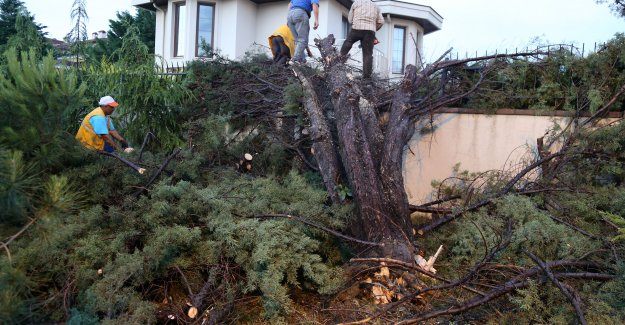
319 228
359 138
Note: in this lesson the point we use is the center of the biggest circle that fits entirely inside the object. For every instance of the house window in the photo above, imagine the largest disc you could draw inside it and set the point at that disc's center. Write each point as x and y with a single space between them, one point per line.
205 27
399 49
346 27
180 16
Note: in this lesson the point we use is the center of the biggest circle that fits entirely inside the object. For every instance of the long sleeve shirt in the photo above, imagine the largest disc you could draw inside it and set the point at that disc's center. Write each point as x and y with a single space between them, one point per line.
365 15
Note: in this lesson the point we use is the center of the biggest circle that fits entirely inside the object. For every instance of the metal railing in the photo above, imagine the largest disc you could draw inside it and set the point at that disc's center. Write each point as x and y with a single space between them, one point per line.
380 61
581 51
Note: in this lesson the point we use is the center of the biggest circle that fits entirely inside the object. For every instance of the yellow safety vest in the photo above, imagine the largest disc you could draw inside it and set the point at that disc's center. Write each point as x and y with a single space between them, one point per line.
285 32
86 135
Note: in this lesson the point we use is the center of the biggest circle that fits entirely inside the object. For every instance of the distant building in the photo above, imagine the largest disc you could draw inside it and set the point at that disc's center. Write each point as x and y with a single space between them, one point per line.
59 45
99 35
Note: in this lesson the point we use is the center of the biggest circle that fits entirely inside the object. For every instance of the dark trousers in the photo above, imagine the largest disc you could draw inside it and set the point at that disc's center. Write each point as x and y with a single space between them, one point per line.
281 52
366 38
108 148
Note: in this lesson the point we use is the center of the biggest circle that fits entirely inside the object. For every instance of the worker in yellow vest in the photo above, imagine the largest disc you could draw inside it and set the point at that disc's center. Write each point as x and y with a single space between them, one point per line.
97 131
282 45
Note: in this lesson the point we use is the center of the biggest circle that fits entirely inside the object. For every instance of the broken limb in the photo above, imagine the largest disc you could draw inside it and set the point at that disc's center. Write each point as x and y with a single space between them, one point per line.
323 145
439 201
419 208
318 226
128 163
449 284
574 299
184 279
8 240
159 171
145 141
519 282
410 266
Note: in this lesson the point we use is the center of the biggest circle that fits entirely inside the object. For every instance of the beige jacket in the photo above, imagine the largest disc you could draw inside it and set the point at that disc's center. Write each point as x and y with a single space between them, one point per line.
365 15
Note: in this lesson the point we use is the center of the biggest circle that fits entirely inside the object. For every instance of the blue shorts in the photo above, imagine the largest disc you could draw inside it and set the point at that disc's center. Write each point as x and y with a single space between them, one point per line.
108 148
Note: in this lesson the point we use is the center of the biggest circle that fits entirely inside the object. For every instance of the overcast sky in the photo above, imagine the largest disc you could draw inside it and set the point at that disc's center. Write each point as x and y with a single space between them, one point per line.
55 14
469 25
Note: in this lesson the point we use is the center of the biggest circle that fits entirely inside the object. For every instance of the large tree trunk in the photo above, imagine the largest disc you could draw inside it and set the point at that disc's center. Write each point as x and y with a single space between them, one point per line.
323 146
371 156
372 160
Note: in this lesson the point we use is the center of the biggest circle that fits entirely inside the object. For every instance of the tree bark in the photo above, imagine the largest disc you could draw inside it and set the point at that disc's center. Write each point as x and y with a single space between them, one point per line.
323 145
382 203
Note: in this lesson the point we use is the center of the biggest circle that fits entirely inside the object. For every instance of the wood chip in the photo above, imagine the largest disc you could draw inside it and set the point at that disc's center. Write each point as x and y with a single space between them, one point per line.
379 294
384 272
192 313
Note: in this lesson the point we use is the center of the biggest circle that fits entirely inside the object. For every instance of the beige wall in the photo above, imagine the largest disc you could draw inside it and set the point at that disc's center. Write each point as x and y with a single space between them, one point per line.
478 142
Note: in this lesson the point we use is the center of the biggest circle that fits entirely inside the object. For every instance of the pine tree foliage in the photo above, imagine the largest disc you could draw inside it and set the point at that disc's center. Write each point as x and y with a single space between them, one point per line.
18 181
562 81
618 6
103 247
40 105
18 29
181 224
27 36
596 206
9 12
133 52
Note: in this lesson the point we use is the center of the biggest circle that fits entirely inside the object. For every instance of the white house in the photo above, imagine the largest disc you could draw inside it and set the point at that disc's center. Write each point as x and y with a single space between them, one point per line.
234 27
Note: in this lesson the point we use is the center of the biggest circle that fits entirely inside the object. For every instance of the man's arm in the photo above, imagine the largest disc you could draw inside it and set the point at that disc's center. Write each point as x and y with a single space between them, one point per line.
119 137
107 139
316 12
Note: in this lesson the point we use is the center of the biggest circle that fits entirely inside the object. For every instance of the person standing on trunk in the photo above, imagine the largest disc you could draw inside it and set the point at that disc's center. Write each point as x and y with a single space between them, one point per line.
365 18
298 22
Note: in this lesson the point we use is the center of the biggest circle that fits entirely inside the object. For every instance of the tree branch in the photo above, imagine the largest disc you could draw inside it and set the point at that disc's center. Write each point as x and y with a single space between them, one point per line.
318 226
159 171
123 160
574 300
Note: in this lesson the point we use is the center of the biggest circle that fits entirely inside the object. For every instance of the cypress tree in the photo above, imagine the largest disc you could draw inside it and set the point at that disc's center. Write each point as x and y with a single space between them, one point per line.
78 34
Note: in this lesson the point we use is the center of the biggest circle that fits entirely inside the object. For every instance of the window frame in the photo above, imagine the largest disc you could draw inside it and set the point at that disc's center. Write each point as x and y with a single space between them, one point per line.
403 54
349 26
177 6
197 26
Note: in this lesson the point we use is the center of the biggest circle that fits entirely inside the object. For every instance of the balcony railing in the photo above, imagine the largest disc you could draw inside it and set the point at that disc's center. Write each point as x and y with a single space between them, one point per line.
380 61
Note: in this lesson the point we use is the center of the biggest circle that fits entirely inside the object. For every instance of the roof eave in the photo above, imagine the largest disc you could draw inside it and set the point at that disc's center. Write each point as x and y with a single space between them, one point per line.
425 16
148 4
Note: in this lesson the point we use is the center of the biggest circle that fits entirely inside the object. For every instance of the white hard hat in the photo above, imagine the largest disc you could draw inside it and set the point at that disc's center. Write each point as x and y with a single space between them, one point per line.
108 101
